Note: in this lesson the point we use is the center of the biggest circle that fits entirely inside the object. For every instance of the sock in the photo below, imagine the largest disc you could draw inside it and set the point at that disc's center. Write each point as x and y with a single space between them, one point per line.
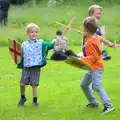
22 96
35 99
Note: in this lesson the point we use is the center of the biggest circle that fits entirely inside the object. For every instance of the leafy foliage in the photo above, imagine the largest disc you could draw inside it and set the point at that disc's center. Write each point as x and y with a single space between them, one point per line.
46 17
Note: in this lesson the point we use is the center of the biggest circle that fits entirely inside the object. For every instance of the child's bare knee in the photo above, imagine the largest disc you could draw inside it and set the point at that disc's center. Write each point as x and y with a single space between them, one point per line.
21 84
34 86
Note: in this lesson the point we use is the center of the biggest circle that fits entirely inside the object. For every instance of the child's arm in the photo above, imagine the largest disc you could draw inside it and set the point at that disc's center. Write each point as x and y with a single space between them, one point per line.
58 43
110 44
66 40
49 45
117 45
57 46
69 25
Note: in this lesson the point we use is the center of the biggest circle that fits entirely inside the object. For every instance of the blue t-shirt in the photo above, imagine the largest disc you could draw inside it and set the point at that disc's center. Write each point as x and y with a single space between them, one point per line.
98 32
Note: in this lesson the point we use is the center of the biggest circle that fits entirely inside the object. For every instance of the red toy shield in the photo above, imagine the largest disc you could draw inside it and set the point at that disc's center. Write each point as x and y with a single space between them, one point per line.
15 50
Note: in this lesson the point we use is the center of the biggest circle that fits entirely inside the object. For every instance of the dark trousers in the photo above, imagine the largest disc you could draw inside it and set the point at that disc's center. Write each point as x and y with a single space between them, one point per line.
3 17
62 56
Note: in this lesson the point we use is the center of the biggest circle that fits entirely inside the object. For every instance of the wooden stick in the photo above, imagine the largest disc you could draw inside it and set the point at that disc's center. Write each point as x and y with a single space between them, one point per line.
78 31
66 29
69 25
115 45
59 38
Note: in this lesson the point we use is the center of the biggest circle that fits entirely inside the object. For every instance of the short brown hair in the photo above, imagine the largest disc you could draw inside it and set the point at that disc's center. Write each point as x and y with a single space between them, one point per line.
92 8
90 24
30 26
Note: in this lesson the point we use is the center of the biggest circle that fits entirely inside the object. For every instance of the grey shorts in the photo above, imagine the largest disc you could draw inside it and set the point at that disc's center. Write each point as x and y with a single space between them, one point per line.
30 76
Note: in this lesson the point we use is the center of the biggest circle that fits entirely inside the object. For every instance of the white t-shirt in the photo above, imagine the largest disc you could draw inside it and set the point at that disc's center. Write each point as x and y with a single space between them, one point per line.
61 47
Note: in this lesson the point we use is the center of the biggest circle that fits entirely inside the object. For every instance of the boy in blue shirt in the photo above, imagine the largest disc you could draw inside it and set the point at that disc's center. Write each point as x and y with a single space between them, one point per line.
96 12
34 53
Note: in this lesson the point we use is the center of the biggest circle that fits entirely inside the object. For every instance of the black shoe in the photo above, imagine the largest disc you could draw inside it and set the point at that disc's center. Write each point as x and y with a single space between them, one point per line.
107 109
107 58
91 105
35 104
22 101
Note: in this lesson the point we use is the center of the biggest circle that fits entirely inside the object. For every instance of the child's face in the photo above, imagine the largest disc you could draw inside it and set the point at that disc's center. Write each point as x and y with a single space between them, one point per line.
33 33
97 14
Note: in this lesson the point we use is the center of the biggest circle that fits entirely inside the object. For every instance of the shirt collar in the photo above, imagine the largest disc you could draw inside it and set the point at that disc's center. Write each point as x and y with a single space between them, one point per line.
32 41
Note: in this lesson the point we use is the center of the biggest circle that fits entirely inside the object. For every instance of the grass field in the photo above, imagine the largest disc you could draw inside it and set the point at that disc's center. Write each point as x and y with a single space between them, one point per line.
60 95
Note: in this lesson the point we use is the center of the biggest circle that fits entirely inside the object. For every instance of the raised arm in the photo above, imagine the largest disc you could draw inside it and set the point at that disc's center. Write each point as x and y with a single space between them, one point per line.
107 42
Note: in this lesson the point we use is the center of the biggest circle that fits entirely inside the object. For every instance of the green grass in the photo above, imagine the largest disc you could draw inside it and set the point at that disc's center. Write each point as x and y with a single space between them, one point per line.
60 95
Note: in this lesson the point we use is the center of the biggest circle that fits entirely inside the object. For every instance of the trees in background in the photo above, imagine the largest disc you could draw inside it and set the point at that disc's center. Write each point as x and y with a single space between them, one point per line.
23 1
17 1
60 1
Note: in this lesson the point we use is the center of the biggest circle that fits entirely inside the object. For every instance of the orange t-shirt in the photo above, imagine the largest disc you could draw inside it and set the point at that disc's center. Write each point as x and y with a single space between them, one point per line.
94 53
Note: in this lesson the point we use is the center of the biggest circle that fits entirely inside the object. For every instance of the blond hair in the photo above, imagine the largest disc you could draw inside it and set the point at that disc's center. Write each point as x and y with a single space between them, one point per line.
92 9
90 24
30 26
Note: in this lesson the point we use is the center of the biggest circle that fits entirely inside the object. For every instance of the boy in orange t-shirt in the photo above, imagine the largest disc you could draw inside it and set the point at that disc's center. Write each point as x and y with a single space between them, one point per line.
94 59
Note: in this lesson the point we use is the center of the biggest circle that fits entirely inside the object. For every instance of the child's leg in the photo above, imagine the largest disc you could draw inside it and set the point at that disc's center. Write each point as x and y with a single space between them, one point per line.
24 81
1 17
23 98
5 17
87 91
35 95
35 91
92 87
96 79
22 89
34 81
70 52
60 55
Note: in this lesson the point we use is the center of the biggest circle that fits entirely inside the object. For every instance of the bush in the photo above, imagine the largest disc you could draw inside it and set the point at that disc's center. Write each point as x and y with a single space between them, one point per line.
17 1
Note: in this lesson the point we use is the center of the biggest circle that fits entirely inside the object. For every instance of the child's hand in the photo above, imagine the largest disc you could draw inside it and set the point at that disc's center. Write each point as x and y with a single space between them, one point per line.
65 38
56 43
114 45
111 44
